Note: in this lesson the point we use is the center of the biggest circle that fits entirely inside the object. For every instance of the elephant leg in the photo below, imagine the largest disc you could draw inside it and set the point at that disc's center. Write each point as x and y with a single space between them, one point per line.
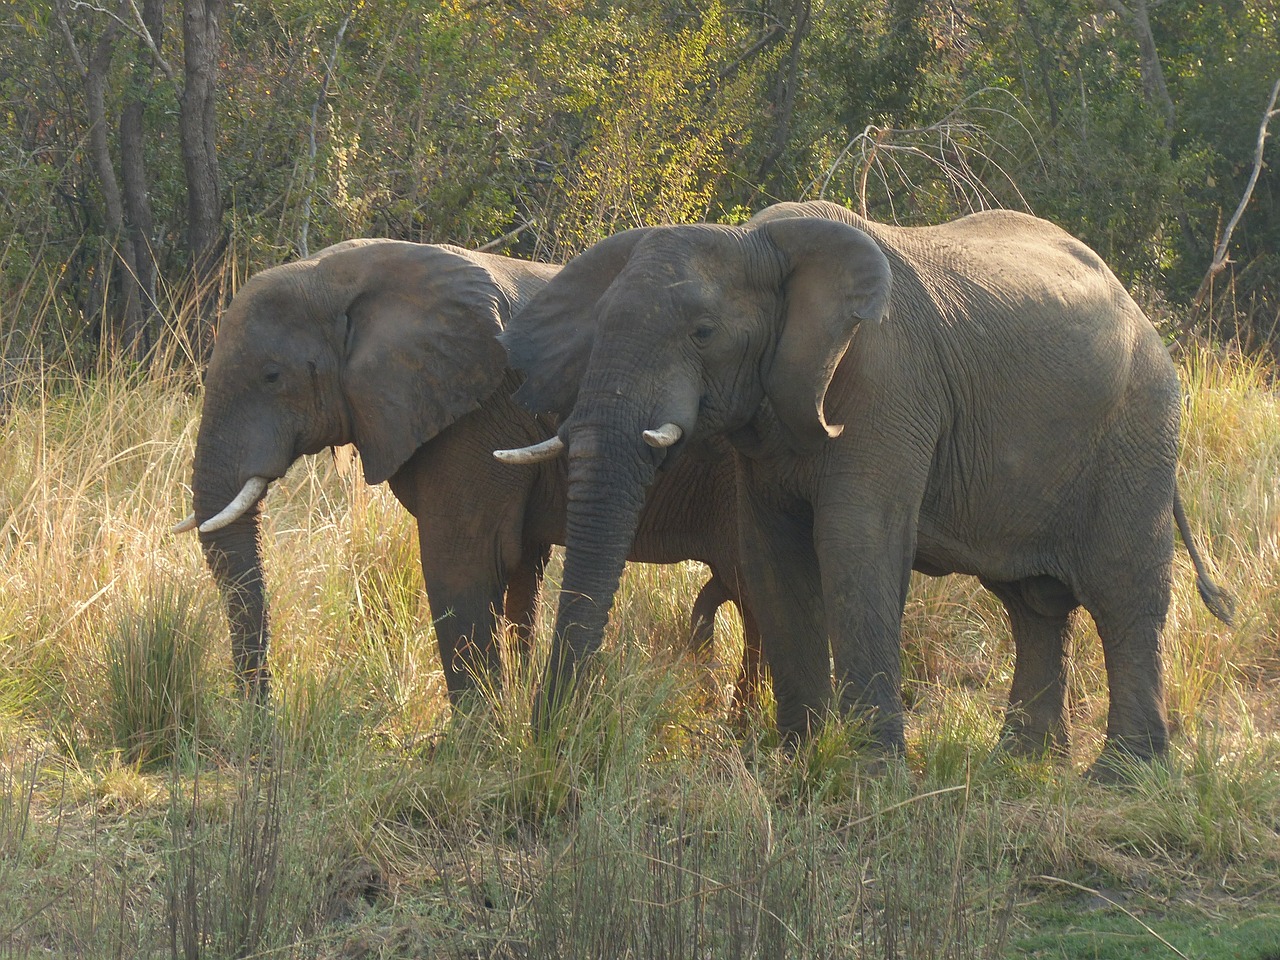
866 591
1137 726
465 590
782 578
1126 589
524 582
703 616
749 687
1040 613
465 627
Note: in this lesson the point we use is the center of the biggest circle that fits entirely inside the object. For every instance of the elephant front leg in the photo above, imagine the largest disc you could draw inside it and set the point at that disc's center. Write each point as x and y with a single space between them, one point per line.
866 569
1040 613
465 628
465 590
781 571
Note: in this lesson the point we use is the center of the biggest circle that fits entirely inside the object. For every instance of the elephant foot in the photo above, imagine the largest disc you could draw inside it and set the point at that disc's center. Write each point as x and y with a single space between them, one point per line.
256 687
1033 743
1121 764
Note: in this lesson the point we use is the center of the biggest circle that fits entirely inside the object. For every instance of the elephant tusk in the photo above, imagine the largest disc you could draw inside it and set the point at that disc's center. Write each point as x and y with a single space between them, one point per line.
253 490
548 449
664 436
188 523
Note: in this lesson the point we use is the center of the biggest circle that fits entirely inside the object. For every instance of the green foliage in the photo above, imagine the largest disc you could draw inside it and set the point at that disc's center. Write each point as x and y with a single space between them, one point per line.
550 125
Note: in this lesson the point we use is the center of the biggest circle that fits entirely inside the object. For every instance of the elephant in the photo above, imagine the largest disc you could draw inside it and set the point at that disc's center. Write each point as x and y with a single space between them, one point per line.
979 397
392 346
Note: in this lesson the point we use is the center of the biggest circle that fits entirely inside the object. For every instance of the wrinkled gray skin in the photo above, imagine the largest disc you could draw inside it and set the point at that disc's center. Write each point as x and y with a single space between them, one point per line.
979 397
392 346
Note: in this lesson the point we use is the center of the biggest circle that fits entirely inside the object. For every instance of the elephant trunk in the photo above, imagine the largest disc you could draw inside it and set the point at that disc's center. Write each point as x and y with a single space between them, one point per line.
609 473
234 556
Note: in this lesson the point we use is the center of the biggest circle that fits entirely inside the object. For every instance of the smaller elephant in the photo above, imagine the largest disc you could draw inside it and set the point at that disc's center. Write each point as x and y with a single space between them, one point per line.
979 397
392 347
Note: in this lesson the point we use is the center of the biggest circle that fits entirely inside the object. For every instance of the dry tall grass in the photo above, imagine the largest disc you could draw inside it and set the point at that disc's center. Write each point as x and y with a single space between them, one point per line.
145 811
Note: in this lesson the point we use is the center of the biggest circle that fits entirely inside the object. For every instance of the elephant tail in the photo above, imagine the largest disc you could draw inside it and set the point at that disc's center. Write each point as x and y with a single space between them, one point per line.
1219 601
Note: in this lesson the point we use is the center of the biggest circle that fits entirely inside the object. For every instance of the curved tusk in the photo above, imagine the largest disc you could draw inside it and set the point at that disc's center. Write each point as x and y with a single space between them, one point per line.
188 523
664 436
253 490
548 449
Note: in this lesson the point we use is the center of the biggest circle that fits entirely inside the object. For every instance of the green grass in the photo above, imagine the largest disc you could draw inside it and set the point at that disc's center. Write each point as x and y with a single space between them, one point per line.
146 811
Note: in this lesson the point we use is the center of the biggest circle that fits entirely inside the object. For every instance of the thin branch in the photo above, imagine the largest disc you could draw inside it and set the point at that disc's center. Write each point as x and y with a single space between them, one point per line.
81 67
505 238
774 33
321 97
144 35
1220 259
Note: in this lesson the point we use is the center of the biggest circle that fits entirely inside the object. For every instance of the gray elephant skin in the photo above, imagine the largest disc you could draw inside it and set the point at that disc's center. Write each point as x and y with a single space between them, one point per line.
980 397
392 346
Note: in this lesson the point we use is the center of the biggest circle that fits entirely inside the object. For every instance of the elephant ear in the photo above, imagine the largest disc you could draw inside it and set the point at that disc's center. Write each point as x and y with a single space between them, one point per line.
550 339
836 276
422 347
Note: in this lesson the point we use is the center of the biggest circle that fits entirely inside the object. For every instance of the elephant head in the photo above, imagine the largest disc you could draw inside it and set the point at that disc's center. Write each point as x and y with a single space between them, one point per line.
378 343
695 328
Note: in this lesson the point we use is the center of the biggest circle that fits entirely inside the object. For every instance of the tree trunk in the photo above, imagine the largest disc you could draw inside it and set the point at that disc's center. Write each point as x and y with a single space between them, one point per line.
198 128
124 279
140 335
1153 86
786 89
140 323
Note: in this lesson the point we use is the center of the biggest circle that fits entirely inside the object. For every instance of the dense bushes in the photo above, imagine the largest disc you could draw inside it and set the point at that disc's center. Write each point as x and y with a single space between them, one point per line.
546 125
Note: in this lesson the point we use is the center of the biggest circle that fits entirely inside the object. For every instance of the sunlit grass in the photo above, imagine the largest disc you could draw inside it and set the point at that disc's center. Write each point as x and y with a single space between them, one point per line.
356 815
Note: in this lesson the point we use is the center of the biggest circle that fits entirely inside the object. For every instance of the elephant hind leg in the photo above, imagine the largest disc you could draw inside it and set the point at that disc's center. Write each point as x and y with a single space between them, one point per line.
748 688
524 583
703 616
1137 723
1041 610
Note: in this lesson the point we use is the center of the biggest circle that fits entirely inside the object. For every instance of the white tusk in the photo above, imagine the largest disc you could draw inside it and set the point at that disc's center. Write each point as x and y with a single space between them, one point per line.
548 449
188 523
253 490
664 436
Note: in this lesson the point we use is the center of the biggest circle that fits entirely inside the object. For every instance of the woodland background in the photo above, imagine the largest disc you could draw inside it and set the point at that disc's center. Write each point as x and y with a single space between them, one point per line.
154 152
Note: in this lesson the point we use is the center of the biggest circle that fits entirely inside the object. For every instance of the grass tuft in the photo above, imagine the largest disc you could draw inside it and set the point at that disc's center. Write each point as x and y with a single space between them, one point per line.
157 686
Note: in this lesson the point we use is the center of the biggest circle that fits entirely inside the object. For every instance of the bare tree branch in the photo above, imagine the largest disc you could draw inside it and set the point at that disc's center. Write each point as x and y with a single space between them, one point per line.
1220 259
137 26
149 42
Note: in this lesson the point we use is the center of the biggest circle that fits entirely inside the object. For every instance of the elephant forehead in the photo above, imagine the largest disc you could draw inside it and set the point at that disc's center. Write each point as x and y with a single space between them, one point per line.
694 265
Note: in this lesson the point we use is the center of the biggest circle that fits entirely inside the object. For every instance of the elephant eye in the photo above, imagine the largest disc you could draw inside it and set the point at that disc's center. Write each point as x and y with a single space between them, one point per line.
703 332
271 373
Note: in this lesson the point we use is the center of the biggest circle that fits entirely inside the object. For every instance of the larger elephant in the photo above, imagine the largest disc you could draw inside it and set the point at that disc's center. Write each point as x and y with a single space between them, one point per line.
979 397
392 346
